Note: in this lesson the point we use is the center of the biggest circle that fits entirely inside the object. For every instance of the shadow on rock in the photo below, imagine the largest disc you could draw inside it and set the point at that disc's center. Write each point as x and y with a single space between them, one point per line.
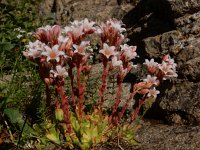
148 18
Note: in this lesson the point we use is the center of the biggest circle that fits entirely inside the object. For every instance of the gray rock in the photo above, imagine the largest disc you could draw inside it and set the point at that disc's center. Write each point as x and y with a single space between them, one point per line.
182 100
69 10
163 137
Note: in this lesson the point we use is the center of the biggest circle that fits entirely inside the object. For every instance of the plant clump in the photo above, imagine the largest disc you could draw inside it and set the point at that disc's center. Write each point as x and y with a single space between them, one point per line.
63 54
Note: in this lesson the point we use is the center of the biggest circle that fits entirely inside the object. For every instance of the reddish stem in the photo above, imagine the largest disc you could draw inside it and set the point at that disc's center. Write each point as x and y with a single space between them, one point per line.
135 113
103 86
72 85
118 97
81 89
65 107
120 114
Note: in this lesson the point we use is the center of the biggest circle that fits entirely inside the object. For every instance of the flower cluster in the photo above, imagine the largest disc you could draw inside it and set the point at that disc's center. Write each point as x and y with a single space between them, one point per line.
111 32
64 52
165 70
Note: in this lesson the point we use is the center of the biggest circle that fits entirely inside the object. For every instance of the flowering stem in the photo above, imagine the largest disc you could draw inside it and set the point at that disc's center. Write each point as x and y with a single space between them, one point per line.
120 114
81 89
48 97
72 85
118 96
136 111
65 107
103 86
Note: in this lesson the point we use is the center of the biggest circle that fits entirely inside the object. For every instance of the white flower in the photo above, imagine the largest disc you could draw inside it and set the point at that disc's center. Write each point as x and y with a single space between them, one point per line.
62 39
88 25
34 49
115 62
150 63
117 25
53 53
66 29
108 51
129 51
151 79
60 71
153 92
19 36
164 67
168 70
81 48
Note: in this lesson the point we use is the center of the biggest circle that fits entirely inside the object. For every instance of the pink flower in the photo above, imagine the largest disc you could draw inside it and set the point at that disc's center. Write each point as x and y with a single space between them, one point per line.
153 92
62 39
34 49
108 51
115 62
60 71
116 24
151 79
169 61
81 48
88 27
48 34
129 51
152 66
110 32
150 63
53 53
168 70
75 33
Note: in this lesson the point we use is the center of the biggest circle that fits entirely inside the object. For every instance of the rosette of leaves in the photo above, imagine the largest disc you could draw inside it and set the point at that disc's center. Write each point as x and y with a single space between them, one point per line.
88 131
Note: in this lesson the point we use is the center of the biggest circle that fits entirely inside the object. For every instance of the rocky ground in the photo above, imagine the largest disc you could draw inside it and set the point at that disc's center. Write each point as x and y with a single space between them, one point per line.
158 136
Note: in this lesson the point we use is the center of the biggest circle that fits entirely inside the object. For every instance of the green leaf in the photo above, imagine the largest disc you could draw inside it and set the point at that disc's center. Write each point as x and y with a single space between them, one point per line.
53 135
6 46
14 115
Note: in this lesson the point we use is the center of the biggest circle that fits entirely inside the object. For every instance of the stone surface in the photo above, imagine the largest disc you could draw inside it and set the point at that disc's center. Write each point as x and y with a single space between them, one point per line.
182 100
69 10
177 32
163 137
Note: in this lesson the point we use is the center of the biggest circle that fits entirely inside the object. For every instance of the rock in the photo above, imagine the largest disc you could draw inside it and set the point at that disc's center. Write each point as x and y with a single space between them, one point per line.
191 70
181 41
182 100
162 137
189 24
69 10
182 7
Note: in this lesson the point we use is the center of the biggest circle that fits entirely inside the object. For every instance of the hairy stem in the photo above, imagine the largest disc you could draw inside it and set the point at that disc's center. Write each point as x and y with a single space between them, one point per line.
136 111
103 87
65 107
81 89
72 85
118 97
121 113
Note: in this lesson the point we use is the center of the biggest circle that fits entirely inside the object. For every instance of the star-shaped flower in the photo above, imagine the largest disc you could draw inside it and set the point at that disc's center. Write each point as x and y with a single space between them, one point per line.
108 51
60 71
53 53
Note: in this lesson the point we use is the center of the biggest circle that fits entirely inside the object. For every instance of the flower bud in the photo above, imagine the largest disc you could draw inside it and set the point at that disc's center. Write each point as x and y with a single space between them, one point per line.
59 114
